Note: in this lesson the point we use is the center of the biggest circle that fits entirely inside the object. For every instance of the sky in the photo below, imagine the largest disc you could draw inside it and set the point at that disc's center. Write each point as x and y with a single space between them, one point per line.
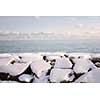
86 26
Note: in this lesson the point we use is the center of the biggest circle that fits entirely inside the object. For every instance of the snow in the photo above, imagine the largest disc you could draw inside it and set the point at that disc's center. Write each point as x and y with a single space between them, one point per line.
38 67
25 77
81 55
82 65
5 55
52 57
58 75
95 55
29 57
4 61
90 77
63 63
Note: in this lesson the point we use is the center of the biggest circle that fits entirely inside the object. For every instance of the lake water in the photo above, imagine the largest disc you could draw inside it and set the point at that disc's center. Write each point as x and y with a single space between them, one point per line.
75 45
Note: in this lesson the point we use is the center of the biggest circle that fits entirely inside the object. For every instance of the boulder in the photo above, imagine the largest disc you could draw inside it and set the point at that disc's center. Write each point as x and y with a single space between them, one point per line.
83 65
38 67
14 69
63 63
60 75
90 77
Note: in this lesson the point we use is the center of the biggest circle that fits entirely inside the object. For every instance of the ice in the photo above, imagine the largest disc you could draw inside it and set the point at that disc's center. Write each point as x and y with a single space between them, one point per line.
38 67
83 65
25 77
63 63
90 77
58 75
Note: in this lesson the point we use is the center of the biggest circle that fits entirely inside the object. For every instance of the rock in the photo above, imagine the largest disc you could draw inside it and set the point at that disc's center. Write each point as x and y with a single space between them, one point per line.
94 60
90 77
14 69
59 75
25 78
97 64
83 65
4 76
38 67
42 79
63 63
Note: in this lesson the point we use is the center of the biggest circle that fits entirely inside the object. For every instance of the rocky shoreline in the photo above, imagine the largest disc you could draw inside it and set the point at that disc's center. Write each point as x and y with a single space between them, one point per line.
50 68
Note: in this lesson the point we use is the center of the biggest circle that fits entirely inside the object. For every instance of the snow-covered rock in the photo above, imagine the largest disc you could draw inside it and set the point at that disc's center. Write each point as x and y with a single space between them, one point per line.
14 69
25 77
59 75
83 65
90 77
38 67
63 63
42 79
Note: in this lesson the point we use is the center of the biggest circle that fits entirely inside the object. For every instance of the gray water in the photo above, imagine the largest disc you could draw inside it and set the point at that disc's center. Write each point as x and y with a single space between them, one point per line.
75 45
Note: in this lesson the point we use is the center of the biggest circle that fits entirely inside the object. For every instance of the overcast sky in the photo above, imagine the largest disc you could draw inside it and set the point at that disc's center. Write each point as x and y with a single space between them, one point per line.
63 25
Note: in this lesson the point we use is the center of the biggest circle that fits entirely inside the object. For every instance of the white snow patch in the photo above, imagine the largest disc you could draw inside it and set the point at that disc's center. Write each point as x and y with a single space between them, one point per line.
25 77
8 81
